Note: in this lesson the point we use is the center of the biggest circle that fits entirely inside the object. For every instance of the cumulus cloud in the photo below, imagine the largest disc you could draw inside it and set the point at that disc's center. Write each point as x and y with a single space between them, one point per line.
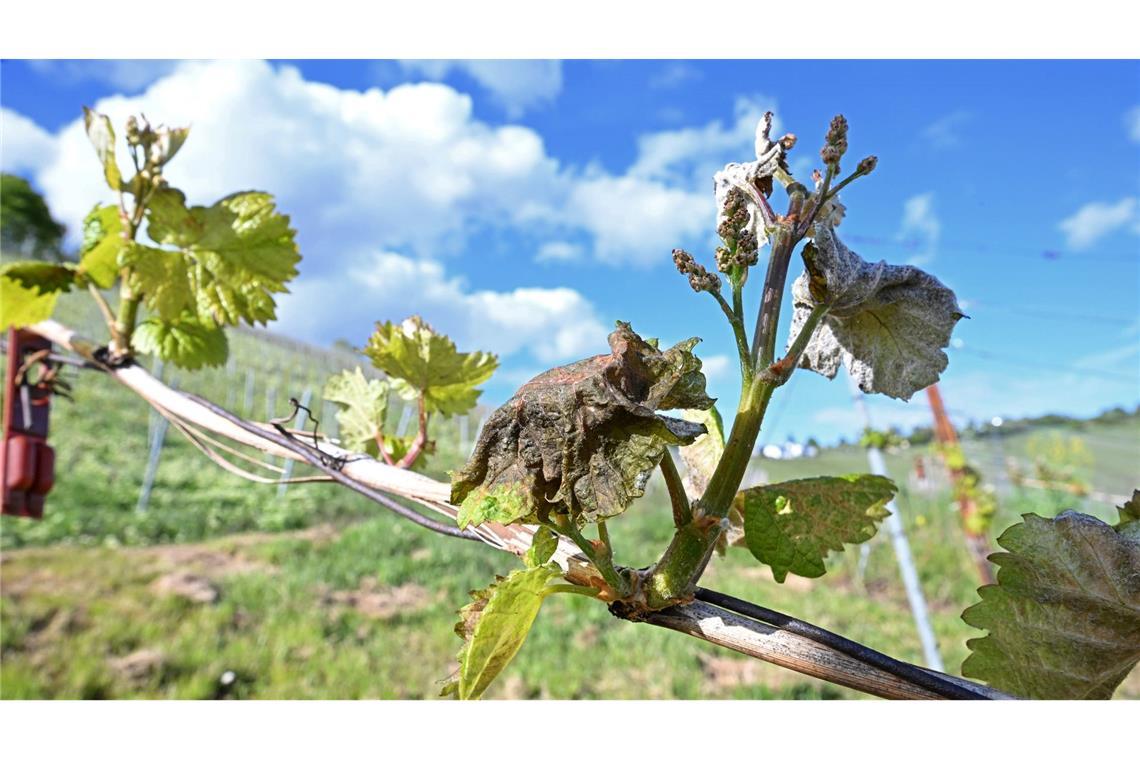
130 75
946 132
552 324
1093 221
919 222
1132 124
691 155
517 86
24 147
559 250
715 366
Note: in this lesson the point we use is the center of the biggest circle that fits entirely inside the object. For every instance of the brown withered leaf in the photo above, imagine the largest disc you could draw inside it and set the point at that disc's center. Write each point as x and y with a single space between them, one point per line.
583 439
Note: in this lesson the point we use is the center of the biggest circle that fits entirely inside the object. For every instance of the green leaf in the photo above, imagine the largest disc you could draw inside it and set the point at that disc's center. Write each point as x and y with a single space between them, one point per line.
542 547
40 277
887 324
503 503
102 243
791 526
1128 517
240 252
420 360
582 440
20 306
184 342
1064 616
363 404
102 136
496 624
161 277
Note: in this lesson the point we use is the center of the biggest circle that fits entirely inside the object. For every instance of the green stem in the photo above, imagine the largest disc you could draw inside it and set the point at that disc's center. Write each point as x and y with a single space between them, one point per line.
682 513
604 564
738 331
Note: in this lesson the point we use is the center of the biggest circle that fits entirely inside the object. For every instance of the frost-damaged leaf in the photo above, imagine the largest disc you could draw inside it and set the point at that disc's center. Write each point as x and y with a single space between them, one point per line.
888 324
791 526
363 404
583 439
184 342
542 547
753 179
420 360
21 306
495 626
102 136
702 455
240 252
1064 616
168 141
102 243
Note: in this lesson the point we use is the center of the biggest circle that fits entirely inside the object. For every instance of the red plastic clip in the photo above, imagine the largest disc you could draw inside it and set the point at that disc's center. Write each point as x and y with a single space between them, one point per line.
27 463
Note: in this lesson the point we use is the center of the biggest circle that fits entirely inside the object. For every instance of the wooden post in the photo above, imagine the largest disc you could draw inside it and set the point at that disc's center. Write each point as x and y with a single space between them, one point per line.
947 437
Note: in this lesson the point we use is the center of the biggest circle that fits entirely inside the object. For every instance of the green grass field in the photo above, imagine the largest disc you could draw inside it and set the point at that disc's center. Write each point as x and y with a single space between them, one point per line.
322 594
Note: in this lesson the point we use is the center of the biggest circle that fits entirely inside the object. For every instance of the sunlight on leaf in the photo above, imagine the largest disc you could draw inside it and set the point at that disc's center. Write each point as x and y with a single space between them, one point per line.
184 342
362 404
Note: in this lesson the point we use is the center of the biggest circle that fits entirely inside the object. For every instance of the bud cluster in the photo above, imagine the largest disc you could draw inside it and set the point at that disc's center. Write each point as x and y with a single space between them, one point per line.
737 234
835 142
700 279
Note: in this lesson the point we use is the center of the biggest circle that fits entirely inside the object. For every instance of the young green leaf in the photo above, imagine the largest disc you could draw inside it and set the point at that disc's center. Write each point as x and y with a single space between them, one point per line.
503 503
102 243
167 142
41 277
184 342
583 439
542 547
887 324
791 526
102 136
420 360
240 252
161 277
363 404
495 626
1064 616
21 306
1128 518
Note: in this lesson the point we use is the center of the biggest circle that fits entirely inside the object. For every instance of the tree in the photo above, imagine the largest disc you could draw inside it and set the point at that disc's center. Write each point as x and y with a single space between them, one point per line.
27 228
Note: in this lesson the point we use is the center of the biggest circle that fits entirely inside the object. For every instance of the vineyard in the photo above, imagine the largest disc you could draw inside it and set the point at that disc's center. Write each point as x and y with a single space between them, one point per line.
313 594
238 514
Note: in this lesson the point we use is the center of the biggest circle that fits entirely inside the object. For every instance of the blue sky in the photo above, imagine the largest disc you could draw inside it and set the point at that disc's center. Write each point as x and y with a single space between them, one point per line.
523 206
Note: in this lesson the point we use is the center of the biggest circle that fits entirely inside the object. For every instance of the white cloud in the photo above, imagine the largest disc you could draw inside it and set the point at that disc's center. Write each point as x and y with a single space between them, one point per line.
1132 124
638 220
945 133
920 222
1093 221
517 85
691 155
23 145
675 74
716 366
559 250
131 75
552 324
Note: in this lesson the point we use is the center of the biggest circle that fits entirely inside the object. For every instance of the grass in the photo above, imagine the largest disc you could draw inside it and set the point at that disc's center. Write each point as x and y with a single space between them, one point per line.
321 594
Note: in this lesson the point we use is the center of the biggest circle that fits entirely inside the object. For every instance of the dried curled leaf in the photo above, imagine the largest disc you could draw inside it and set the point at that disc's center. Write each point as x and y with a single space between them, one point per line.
887 324
1064 616
583 439
753 179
